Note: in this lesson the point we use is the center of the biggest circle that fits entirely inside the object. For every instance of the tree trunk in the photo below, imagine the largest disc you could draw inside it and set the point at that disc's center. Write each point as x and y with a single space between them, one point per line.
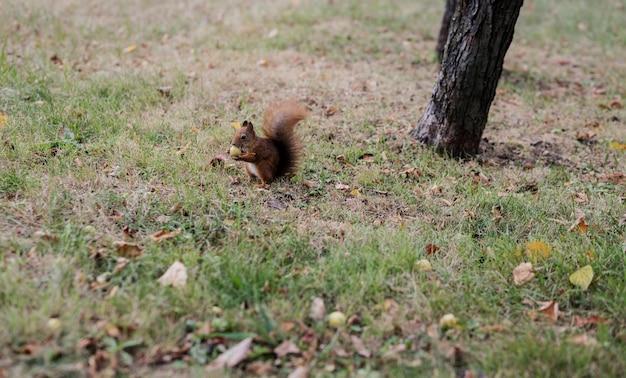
444 31
481 33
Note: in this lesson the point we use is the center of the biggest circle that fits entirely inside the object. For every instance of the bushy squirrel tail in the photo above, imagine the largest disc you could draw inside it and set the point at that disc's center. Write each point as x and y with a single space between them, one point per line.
278 123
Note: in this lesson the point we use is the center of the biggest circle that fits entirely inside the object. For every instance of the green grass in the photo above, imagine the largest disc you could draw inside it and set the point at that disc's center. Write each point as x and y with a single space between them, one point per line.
92 154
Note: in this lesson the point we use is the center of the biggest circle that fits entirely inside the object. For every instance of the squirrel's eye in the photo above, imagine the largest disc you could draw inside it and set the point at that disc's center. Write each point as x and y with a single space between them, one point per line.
243 137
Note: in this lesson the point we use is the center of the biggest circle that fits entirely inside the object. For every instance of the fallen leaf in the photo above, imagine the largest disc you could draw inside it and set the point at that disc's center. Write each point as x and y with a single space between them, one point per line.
111 329
523 273
218 160
431 248
435 189
395 351
183 150
579 322
299 372
318 309
121 264
355 192
175 275
412 172
340 186
286 326
550 309
423 265
580 226
130 48
276 204
582 277
367 157
617 146
310 183
165 91
232 357
262 63
357 343
585 137
3 120
113 292
127 249
583 340
580 198
45 235
391 306
163 219
615 104
161 235
285 348
331 111
236 125
260 368
537 250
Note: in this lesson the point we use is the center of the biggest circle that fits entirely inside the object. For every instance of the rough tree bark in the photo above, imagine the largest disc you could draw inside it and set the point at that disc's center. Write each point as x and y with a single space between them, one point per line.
481 33
445 27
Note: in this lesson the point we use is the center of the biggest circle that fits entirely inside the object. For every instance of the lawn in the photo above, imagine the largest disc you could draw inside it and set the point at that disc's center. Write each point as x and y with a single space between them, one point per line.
111 118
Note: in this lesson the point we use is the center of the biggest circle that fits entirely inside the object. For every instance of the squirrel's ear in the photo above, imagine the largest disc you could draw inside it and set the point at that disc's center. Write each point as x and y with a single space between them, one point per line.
247 124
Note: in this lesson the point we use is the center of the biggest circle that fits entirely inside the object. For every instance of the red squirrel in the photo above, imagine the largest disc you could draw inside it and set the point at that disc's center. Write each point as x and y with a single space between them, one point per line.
279 152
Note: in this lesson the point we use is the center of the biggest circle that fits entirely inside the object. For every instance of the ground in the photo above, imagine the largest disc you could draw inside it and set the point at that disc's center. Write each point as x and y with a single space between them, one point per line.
113 120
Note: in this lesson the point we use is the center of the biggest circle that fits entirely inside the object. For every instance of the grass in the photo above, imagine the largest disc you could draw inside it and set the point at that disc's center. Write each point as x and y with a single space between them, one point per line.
93 154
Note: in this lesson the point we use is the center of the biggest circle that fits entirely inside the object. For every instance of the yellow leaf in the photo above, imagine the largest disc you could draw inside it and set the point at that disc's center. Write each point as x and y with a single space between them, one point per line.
582 277
617 146
130 48
182 150
3 120
355 193
538 250
236 125
194 130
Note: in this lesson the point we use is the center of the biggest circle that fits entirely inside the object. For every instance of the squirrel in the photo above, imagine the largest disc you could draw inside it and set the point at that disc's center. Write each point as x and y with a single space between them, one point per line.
279 152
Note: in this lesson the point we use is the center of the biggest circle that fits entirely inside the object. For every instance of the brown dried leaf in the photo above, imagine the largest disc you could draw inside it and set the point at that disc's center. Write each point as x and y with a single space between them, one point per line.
331 111
550 309
394 352
581 198
161 235
299 372
260 368
127 249
310 183
285 348
391 306
232 357
523 273
580 226
286 326
435 190
585 136
276 204
431 248
340 186
357 343
175 275
367 157
218 160
583 340
318 309
615 104
121 264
